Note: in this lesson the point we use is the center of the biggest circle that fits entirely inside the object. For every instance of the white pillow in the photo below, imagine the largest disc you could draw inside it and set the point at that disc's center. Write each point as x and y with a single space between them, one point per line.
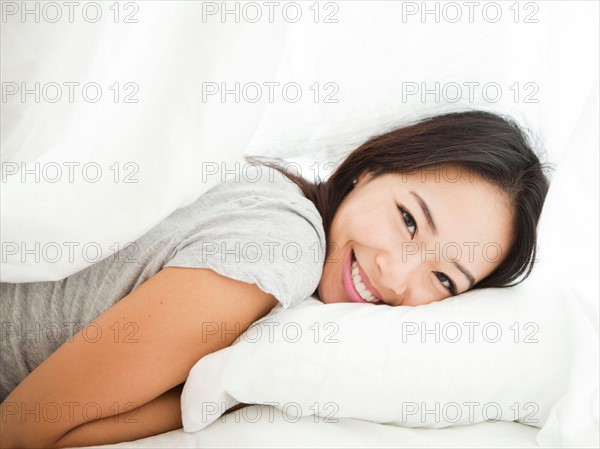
500 354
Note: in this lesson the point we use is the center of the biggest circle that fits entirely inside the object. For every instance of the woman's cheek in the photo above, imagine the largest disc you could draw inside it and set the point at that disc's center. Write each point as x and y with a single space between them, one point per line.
379 231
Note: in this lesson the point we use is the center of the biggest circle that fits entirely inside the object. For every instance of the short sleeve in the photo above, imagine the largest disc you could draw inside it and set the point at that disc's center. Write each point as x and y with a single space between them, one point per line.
268 237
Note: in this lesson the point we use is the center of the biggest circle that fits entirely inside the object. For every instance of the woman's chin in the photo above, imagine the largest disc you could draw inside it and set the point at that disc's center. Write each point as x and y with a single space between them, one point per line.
330 295
331 299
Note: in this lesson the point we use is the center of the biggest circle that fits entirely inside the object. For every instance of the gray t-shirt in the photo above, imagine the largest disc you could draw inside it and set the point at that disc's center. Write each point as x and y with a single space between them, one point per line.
258 229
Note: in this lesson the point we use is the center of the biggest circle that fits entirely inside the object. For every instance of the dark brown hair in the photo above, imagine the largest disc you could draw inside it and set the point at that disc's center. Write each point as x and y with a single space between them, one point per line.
489 145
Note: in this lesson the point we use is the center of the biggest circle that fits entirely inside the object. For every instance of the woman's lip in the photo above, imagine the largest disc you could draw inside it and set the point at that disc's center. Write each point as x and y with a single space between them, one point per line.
347 281
367 282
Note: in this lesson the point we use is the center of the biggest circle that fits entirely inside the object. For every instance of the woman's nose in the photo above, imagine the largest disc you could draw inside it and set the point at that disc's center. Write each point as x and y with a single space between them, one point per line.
397 273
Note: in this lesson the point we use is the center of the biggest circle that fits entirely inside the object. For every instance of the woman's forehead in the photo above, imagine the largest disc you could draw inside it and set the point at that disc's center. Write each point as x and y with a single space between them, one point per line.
468 209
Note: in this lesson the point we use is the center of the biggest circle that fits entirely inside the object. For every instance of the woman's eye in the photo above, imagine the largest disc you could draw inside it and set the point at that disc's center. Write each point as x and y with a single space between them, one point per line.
445 279
409 220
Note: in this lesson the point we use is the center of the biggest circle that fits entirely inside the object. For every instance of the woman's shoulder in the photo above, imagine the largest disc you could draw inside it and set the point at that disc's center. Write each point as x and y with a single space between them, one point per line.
254 199
258 228
264 186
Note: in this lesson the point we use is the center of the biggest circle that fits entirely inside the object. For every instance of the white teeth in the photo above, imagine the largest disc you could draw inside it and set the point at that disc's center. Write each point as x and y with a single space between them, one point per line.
361 288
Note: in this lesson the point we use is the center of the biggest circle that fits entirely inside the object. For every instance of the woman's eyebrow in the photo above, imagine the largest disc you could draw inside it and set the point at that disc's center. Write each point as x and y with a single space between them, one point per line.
434 231
467 273
427 213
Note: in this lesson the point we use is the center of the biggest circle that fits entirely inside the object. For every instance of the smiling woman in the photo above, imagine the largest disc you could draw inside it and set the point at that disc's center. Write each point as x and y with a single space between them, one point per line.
431 210
410 217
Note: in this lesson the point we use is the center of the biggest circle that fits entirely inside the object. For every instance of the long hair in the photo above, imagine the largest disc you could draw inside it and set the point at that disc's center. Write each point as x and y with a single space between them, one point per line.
489 145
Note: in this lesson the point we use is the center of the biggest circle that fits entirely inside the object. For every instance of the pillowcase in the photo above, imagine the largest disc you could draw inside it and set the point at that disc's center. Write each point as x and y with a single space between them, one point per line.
488 355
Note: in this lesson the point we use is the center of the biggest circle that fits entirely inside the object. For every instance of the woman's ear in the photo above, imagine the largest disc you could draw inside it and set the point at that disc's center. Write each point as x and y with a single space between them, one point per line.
363 178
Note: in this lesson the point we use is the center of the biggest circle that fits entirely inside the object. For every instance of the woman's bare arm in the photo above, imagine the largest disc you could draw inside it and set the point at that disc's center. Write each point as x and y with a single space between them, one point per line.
157 416
140 348
160 415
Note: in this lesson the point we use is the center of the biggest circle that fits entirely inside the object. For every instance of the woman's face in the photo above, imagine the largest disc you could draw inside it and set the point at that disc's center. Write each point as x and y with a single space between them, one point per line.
412 239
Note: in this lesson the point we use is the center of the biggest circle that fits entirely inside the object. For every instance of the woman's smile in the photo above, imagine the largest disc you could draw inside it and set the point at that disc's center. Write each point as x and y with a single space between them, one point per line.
357 284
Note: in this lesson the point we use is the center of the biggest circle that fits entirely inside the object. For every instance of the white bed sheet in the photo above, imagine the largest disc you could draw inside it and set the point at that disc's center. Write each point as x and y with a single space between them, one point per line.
273 429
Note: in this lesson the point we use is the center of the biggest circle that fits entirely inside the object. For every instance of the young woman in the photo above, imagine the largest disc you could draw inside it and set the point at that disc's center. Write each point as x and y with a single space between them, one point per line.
412 216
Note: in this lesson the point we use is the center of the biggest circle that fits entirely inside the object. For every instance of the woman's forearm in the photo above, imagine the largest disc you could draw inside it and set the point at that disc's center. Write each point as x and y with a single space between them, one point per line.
153 418
158 416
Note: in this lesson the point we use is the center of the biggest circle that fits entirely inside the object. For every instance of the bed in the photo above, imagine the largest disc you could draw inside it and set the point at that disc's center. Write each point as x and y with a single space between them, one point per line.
149 96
